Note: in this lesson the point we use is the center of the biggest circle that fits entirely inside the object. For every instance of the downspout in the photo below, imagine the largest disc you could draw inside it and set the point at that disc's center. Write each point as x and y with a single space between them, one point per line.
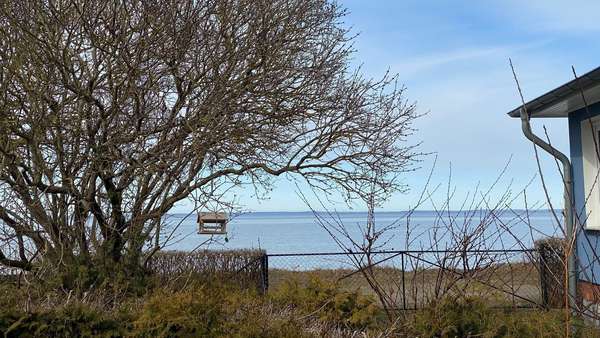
568 208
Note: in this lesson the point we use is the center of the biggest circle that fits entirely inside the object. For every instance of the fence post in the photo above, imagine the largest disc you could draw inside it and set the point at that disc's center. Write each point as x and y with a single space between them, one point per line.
403 282
543 276
264 268
552 266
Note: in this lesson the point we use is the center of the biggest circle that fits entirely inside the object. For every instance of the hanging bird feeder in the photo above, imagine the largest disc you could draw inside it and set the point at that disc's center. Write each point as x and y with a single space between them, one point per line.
212 223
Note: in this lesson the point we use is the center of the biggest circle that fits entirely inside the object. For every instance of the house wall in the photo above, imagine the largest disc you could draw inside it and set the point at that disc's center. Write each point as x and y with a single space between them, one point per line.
588 260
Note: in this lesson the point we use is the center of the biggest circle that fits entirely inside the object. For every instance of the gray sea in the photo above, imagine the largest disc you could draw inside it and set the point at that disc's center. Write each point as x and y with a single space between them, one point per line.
303 232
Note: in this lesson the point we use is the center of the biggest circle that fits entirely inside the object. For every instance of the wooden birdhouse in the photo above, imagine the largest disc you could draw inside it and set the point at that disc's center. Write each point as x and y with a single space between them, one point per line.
212 223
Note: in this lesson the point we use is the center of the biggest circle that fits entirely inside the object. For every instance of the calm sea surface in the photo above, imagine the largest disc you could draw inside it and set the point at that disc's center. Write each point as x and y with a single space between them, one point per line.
300 232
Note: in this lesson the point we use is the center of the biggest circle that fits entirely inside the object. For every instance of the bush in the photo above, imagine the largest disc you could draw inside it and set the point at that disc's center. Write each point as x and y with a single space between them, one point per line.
451 318
181 313
291 310
10 296
330 304
211 312
196 311
470 317
75 320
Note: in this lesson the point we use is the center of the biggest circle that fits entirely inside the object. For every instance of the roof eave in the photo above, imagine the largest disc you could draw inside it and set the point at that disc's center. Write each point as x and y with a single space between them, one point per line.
561 101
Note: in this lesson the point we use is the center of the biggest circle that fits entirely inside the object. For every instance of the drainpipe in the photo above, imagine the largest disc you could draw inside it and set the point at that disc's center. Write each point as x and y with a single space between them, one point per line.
568 208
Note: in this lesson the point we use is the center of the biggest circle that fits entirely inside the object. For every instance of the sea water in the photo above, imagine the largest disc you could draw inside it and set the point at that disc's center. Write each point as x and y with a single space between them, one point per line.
306 232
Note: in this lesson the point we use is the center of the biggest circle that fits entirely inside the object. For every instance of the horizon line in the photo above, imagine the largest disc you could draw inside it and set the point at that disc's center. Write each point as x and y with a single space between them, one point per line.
376 212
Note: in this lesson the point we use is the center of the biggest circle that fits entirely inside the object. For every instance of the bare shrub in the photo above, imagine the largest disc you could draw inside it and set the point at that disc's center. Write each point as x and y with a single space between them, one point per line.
241 267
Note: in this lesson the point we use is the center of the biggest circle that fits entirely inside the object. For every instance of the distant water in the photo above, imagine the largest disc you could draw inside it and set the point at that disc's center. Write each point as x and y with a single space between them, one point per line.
300 232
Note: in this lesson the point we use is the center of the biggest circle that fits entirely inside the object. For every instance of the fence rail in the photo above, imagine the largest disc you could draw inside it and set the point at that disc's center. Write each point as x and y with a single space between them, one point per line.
415 278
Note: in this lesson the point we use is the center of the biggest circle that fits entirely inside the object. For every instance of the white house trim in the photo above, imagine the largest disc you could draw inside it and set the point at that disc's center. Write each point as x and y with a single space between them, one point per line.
591 171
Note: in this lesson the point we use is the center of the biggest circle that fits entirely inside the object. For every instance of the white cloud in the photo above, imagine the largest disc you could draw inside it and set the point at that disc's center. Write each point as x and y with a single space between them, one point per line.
423 63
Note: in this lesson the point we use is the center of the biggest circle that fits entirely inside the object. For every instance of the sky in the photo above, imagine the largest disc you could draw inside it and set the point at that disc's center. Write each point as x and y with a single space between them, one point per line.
452 56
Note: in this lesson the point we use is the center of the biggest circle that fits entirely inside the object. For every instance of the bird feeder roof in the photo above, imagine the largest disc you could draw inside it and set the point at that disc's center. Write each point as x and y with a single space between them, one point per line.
212 217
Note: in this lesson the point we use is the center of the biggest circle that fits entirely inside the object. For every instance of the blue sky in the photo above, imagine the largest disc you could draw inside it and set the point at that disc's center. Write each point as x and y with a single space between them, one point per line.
453 58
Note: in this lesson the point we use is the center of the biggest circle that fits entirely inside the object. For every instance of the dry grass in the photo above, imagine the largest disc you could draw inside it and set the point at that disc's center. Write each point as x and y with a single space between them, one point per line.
500 284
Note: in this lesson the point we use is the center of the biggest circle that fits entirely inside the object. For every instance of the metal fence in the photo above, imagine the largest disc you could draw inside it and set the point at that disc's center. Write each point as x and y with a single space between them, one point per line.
413 279
410 279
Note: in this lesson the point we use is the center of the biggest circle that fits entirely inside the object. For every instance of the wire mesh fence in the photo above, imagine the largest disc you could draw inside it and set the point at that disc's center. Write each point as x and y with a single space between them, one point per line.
413 279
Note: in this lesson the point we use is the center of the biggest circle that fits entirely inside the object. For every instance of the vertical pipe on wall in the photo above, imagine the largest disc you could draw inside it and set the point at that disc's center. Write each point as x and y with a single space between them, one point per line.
568 208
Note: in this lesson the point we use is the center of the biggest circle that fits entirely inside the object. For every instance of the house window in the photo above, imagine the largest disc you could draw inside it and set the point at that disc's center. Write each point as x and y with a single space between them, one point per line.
590 146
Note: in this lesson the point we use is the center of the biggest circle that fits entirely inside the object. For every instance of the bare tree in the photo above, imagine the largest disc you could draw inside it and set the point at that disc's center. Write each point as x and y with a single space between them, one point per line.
113 111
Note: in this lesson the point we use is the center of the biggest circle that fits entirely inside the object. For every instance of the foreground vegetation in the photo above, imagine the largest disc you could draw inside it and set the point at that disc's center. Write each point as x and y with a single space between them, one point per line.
291 310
